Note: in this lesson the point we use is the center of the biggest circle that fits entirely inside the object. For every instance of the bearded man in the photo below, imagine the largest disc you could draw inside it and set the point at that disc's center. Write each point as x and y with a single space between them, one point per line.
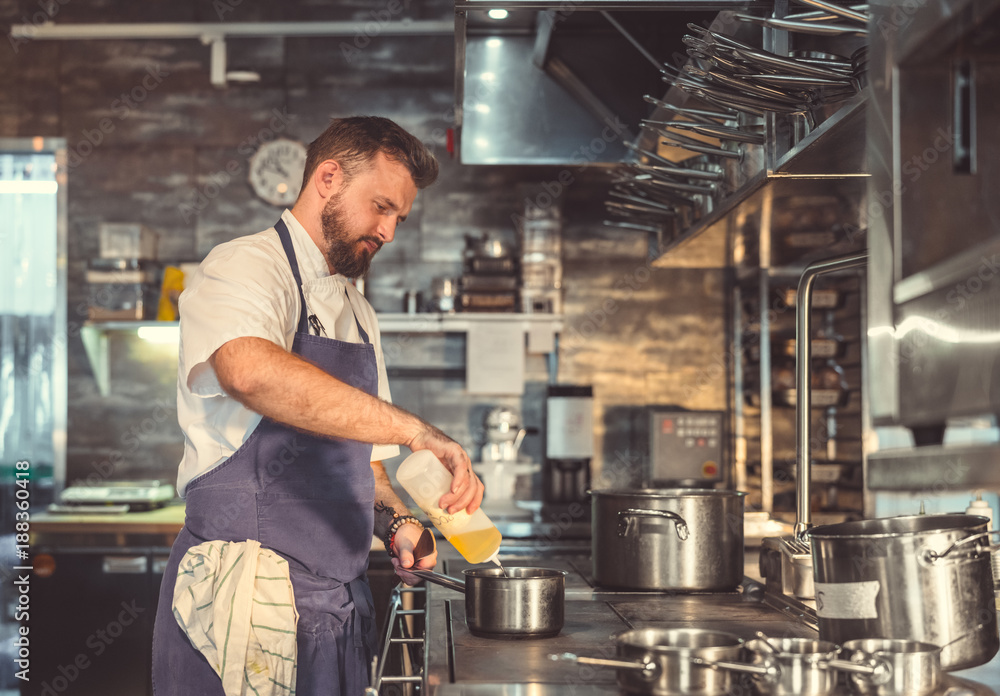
286 413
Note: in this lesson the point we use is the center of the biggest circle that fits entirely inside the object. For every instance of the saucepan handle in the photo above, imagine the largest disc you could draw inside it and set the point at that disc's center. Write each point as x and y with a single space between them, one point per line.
768 669
930 556
650 670
626 521
877 671
439 579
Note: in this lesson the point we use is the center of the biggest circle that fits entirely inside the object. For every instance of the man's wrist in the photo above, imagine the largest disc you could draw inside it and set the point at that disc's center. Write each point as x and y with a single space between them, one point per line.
390 535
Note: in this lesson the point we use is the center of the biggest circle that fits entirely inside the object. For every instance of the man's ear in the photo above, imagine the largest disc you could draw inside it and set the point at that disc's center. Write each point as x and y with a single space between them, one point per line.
328 178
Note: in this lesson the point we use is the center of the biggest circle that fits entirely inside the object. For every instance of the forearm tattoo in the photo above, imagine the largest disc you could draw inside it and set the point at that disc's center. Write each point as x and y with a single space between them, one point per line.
384 515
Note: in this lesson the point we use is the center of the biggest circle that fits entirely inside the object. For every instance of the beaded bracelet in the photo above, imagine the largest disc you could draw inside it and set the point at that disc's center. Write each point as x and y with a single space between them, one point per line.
397 522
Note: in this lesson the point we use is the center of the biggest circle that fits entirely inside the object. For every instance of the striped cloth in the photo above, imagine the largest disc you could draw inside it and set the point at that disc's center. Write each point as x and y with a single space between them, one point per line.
234 601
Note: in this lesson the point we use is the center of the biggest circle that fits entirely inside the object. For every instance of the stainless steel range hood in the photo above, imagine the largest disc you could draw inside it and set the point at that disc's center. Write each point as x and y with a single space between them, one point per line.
563 83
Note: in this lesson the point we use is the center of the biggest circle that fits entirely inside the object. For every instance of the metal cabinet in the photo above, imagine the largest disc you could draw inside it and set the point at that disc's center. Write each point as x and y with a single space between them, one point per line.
91 625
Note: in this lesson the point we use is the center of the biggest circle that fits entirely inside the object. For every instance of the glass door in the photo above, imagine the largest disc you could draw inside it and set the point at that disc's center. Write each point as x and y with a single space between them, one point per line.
32 320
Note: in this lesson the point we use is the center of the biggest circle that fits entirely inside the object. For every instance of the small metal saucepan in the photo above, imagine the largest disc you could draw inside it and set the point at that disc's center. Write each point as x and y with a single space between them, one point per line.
803 666
916 666
667 662
524 603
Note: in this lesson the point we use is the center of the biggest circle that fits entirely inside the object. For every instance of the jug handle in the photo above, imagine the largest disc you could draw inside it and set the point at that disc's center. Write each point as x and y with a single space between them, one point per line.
626 521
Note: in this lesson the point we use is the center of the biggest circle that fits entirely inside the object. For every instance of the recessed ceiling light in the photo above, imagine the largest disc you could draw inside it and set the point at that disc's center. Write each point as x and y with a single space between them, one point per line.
497 14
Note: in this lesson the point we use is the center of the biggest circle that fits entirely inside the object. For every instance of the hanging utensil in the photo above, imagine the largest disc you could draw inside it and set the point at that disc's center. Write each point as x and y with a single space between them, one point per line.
681 172
724 115
721 132
652 155
830 7
772 61
632 226
806 27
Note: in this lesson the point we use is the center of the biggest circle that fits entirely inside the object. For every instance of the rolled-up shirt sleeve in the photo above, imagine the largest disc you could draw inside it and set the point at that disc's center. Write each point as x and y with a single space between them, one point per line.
238 291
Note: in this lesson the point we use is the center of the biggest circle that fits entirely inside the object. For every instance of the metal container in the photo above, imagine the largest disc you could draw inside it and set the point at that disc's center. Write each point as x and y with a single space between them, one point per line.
806 667
802 666
523 603
922 578
915 667
682 539
671 662
673 649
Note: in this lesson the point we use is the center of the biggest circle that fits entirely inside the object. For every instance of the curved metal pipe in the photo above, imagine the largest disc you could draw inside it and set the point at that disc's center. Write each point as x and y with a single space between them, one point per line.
803 396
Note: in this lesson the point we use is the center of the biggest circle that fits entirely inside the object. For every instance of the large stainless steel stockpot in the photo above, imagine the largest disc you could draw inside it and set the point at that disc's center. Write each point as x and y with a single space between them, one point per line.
510 602
684 539
922 578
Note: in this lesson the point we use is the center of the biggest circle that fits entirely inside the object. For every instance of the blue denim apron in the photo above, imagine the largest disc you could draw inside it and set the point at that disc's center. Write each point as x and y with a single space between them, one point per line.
307 497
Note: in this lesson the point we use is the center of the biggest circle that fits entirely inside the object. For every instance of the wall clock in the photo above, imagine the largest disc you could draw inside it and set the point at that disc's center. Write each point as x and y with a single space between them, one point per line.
276 171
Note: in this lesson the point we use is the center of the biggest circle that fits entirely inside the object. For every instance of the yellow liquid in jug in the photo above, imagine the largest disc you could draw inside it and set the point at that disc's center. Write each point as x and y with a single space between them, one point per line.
477 546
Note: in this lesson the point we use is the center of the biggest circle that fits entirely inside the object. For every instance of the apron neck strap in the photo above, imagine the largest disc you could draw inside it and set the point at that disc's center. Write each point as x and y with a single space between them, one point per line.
286 243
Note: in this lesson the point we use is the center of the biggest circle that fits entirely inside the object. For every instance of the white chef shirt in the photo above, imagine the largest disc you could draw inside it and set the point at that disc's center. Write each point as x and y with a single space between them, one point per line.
245 287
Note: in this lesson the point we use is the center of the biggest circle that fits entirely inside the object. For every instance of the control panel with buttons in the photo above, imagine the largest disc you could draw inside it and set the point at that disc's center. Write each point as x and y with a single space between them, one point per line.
685 445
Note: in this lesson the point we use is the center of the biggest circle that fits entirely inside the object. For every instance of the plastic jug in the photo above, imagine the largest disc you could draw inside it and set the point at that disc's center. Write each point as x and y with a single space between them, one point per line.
426 479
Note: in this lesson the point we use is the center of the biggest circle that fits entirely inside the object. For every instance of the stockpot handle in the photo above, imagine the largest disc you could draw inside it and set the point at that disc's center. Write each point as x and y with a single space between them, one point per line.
930 556
649 669
769 669
626 521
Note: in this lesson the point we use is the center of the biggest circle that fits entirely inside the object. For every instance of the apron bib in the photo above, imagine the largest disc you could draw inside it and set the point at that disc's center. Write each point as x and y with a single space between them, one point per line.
309 498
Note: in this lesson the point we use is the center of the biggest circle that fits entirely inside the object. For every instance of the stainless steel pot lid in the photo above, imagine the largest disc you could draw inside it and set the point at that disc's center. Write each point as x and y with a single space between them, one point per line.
668 492
896 526
674 639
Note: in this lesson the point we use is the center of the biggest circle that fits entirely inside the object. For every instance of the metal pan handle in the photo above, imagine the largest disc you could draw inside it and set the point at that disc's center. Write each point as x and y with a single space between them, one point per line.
626 521
439 579
768 669
650 670
878 671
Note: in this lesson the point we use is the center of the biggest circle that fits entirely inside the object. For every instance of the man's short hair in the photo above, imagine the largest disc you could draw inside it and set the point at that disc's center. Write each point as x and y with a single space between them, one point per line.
355 141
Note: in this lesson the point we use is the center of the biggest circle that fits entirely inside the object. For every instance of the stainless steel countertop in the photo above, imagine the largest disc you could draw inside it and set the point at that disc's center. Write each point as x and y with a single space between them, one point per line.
460 664
593 617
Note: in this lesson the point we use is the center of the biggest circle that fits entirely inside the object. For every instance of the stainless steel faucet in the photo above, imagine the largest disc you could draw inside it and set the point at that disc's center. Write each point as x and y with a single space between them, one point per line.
803 400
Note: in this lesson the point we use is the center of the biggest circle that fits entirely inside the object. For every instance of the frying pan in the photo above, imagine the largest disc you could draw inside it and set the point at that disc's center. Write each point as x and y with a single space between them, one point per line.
524 603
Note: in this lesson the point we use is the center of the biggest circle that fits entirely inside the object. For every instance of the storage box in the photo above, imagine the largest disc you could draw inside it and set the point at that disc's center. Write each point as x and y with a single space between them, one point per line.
121 240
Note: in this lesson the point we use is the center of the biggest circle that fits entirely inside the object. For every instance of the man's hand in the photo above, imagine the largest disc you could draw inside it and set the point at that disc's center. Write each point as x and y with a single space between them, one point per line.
466 488
403 545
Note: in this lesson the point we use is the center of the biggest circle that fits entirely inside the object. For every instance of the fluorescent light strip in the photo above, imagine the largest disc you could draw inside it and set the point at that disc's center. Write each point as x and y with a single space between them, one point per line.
28 186
159 334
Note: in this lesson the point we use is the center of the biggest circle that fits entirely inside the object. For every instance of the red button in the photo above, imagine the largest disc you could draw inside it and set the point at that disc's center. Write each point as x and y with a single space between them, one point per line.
701 442
709 469
668 426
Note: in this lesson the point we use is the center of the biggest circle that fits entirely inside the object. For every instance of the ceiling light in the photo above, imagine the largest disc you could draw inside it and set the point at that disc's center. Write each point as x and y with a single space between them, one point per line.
497 14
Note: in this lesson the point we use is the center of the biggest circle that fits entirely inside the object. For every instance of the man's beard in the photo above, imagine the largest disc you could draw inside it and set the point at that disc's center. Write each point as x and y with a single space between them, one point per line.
346 256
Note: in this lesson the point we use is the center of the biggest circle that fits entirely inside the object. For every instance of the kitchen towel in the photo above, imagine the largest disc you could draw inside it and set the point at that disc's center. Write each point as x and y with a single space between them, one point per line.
234 601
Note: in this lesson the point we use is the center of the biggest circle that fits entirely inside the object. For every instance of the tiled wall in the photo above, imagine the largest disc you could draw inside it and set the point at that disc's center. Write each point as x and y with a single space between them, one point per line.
151 141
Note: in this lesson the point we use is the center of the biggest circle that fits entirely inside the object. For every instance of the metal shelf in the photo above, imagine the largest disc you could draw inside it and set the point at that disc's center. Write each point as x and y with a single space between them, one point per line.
460 322
833 154
94 335
541 328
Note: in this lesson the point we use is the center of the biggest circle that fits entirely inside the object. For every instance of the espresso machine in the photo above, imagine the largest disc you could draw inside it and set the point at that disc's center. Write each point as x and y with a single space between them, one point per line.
569 445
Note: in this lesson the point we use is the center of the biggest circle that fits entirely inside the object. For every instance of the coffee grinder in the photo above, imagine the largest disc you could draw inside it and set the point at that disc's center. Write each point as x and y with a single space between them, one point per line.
569 445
